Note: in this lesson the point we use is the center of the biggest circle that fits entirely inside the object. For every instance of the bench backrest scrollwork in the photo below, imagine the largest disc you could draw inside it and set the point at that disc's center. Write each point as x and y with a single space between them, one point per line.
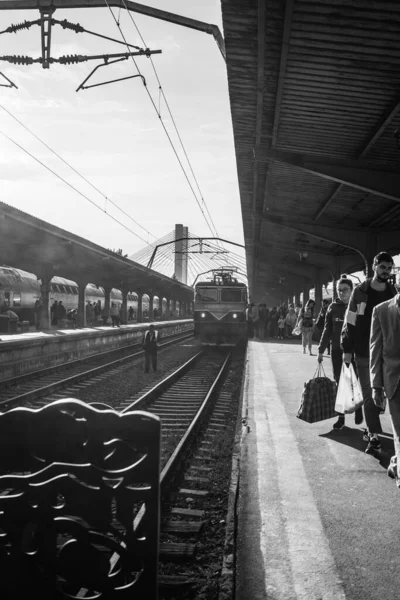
72 479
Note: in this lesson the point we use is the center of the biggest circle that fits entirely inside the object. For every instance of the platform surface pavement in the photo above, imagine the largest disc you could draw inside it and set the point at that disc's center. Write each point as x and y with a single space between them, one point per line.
318 519
33 333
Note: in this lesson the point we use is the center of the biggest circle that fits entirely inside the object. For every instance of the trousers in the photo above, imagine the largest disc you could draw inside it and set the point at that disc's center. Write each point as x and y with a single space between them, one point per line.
394 411
371 411
150 355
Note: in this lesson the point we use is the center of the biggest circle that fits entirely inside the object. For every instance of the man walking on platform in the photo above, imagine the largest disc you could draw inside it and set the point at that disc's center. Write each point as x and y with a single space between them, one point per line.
150 347
385 368
356 334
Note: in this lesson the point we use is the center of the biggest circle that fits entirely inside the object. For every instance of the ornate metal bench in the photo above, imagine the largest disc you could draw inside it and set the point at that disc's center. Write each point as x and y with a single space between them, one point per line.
73 477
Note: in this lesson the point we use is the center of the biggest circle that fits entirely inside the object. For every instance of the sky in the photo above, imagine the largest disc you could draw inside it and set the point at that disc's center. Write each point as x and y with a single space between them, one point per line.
112 134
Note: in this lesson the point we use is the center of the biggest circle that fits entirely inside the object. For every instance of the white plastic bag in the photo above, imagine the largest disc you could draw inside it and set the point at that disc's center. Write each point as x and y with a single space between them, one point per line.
349 395
296 330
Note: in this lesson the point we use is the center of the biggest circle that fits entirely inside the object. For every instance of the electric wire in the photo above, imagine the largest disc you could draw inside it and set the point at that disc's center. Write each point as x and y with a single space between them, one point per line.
161 91
73 169
161 121
70 185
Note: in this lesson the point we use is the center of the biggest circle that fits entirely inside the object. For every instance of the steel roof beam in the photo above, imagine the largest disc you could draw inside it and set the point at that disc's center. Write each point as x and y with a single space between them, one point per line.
261 17
359 240
357 174
387 118
292 248
149 11
282 69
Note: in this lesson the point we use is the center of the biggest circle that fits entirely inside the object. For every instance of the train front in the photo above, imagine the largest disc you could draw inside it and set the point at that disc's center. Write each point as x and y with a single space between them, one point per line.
219 312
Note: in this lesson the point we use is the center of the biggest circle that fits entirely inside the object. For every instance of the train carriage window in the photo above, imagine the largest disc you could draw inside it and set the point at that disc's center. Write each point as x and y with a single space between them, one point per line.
63 289
232 295
206 295
16 299
75 290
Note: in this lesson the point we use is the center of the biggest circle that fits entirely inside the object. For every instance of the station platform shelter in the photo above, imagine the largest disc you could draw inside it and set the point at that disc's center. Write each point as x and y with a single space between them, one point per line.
318 518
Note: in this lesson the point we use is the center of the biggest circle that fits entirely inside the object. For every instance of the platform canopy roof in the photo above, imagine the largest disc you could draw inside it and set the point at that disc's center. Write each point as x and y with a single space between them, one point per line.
33 245
315 99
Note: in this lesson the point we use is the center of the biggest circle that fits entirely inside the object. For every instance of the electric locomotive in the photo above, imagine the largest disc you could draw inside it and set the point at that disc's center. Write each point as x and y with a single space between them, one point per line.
220 310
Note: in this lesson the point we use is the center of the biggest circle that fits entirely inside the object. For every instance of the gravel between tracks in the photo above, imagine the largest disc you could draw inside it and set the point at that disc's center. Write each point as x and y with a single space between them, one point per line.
133 379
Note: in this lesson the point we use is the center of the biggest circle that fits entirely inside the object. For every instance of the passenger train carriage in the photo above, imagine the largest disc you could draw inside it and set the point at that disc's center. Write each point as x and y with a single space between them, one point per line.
19 290
220 310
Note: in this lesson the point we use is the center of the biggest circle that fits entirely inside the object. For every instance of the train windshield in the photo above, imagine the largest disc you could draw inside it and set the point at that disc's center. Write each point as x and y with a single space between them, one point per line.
206 295
232 295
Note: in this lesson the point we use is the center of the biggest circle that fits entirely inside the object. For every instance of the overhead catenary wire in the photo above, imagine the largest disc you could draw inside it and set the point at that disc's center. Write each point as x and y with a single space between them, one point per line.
107 199
197 261
161 121
70 185
161 91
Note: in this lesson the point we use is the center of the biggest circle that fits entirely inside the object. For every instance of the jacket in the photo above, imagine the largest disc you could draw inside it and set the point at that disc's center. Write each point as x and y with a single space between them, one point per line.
320 322
354 322
334 320
291 318
385 346
147 343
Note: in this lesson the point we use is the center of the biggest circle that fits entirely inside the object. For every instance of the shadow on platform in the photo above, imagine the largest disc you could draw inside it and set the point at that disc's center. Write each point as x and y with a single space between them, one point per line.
353 438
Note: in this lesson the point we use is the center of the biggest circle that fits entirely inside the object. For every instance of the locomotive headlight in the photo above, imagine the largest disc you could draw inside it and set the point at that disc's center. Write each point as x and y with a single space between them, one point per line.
203 315
234 315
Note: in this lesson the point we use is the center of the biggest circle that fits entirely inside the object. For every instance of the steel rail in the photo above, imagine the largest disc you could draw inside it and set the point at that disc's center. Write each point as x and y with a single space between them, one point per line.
175 460
47 389
72 363
179 454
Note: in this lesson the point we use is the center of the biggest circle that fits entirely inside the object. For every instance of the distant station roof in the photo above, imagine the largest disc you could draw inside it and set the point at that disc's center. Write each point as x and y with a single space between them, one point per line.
32 244
315 98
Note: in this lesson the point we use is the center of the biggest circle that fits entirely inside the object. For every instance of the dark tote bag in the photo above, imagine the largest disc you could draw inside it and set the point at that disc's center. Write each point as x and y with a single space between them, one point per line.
318 398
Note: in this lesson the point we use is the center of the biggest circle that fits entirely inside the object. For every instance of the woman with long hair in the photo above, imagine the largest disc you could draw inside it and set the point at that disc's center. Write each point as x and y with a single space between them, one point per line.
334 320
306 324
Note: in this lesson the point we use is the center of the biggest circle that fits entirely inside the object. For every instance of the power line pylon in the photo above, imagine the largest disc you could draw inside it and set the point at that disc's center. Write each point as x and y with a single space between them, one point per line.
47 21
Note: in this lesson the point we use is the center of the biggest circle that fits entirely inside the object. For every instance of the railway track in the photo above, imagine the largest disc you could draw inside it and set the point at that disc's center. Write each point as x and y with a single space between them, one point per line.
41 387
196 404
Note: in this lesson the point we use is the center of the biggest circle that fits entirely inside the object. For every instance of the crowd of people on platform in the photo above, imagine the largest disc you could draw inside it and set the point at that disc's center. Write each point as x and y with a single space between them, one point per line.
362 327
275 323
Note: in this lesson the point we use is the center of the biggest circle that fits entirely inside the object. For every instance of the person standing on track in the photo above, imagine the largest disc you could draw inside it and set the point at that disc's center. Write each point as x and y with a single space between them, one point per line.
356 333
150 347
385 369
334 320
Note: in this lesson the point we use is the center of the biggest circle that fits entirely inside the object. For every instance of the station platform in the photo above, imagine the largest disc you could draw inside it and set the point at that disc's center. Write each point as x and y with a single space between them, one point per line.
22 353
317 517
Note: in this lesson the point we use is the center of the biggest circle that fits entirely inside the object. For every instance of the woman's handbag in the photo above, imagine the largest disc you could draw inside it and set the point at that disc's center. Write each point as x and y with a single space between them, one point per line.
318 398
349 394
297 329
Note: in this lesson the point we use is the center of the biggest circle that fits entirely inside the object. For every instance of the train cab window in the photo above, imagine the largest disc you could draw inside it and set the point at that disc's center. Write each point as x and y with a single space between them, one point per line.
16 299
7 298
206 295
228 295
75 290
